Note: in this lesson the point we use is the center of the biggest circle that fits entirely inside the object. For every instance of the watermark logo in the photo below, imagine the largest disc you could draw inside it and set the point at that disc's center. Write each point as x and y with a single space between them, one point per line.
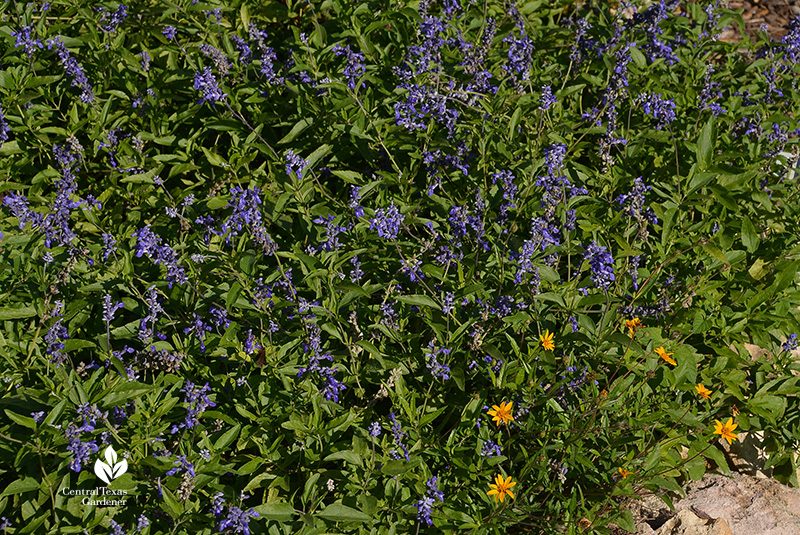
112 469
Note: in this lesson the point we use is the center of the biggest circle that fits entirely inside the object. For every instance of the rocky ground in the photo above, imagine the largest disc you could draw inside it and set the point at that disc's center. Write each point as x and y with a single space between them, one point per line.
775 14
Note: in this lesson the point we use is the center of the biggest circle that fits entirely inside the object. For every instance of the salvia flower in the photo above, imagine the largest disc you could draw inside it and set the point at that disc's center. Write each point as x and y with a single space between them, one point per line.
27 40
55 342
116 529
520 56
491 449
547 100
387 221
109 21
145 60
73 69
147 324
374 429
81 450
398 433
354 67
90 415
432 355
149 244
425 505
4 128
295 165
199 328
332 232
237 521
791 343
109 309
601 264
109 246
142 522
219 317
662 110
181 465
206 83
198 401
355 196
333 387
169 32
221 61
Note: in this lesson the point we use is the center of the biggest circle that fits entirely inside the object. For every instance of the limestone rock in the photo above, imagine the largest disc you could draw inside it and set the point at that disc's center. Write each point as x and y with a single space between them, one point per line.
748 505
688 523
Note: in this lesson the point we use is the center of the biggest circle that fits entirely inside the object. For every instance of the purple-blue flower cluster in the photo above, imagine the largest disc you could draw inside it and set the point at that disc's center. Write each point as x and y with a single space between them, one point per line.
333 387
149 244
198 401
73 69
387 221
425 505
432 355
398 434
354 66
601 264
206 83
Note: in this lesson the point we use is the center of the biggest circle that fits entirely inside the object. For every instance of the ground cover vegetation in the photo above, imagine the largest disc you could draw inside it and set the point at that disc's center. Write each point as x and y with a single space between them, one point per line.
385 267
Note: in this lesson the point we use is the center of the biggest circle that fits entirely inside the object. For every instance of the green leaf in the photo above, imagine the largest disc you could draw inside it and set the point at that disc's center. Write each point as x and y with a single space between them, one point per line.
419 300
227 438
512 126
395 468
758 270
9 313
296 130
625 521
769 406
25 421
279 511
345 455
696 468
21 485
718 457
705 145
750 237
172 503
337 512
215 159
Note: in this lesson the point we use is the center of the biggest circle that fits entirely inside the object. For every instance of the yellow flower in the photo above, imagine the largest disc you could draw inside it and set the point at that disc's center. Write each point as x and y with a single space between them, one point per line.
726 430
633 325
625 473
704 392
502 413
666 356
500 488
547 340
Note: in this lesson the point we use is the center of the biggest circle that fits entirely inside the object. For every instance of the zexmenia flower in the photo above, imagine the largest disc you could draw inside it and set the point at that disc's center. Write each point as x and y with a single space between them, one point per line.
502 414
726 430
666 356
501 487
547 340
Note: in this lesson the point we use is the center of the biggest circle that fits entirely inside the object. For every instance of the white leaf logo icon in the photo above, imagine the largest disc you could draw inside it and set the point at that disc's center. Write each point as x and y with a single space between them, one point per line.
112 469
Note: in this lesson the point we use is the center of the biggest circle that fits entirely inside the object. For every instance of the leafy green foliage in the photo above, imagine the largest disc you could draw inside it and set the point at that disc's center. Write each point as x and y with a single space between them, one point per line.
284 258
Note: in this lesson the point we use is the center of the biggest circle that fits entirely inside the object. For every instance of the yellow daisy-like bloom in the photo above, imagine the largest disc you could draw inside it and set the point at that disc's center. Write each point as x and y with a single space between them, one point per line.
547 340
666 356
500 488
726 430
502 414
704 392
625 473
633 325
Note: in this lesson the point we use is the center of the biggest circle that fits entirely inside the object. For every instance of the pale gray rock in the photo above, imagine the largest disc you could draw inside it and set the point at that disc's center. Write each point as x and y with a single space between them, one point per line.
748 505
